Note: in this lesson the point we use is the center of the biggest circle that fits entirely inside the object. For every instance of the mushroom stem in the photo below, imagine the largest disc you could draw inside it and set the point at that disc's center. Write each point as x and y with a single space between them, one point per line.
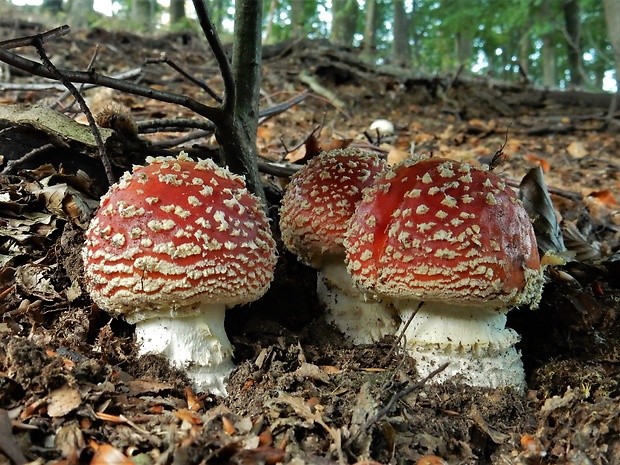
480 349
196 343
361 318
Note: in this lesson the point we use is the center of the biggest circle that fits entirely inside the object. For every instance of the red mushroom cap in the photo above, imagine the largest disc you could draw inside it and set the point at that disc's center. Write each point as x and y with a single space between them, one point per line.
321 199
176 233
439 230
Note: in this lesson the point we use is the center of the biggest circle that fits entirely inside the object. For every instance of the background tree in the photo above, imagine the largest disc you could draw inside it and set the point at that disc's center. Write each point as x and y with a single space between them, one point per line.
143 14
370 28
51 6
401 48
572 19
81 13
177 13
344 21
612 16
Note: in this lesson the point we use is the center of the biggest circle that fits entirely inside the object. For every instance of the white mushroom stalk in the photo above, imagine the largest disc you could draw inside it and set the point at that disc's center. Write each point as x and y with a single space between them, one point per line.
361 318
457 238
196 343
474 341
173 245
315 214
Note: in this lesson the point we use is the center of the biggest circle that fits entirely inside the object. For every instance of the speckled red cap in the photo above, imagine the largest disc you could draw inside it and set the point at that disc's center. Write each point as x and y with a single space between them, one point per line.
439 230
321 199
176 233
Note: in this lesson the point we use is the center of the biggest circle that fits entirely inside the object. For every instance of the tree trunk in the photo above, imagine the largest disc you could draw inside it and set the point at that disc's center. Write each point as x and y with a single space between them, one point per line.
370 29
237 134
344 21
52 6
464 49
142 12
177 11
525 45
80 13
270 20
548 49
612 19
573 39
297 18
401 50
216 9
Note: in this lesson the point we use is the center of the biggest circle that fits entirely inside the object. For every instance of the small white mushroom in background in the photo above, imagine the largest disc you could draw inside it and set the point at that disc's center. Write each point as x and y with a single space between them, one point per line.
172 245
314 217
457 238
383 127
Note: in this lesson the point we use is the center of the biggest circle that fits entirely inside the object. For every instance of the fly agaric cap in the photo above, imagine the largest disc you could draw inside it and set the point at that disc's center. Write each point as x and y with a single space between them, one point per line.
439 230
172 245
178 232
451 247
314 217
320 200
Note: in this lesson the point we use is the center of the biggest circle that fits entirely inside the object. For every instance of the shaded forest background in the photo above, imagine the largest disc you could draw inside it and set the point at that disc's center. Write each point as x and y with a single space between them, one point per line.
553 43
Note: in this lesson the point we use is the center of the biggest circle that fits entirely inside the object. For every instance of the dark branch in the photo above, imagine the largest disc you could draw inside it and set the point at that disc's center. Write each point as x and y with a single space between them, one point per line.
32 67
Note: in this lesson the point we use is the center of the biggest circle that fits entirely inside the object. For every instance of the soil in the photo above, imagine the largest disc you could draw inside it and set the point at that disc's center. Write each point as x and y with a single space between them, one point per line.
74 391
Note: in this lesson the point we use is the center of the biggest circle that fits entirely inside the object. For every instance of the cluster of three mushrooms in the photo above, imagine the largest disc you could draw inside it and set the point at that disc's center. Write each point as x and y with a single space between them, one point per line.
427 230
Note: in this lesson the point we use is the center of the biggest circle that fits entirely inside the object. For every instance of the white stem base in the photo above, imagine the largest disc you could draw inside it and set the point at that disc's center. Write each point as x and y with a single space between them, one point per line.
475 342
361 319
196 344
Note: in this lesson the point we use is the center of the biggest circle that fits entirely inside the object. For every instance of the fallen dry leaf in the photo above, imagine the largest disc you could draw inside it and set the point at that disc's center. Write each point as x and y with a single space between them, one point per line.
63 400
577 149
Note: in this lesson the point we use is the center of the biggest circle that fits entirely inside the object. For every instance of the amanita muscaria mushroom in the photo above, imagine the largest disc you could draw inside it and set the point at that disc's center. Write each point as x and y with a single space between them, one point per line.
457 238
314 217
172 245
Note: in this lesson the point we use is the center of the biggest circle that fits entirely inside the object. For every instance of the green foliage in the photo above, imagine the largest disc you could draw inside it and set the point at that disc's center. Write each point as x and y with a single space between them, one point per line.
495 36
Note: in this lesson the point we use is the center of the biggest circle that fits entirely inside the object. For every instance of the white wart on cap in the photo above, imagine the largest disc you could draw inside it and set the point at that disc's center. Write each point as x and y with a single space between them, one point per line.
457 238
316 209
172 245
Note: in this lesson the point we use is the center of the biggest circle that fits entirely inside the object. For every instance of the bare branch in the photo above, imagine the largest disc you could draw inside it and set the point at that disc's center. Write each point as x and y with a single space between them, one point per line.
30 40
203 85
107 166
210 33
32 67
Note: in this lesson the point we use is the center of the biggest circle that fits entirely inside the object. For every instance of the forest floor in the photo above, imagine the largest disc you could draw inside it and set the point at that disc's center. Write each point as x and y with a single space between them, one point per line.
73 391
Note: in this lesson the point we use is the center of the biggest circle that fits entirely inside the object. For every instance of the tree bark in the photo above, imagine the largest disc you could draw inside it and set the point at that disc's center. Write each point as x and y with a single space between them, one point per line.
142 12
548 49
52 6
612 19
297 18
177 11
273 4
401 50
464 49
344 21
573 40
80 13
237 133
370 29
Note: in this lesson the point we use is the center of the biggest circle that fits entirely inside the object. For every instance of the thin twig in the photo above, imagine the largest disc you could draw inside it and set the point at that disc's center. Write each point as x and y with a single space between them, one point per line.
38 44
200 83
30 40
393 400
13 165
169 143
32 67
204 19
402 332
173 124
